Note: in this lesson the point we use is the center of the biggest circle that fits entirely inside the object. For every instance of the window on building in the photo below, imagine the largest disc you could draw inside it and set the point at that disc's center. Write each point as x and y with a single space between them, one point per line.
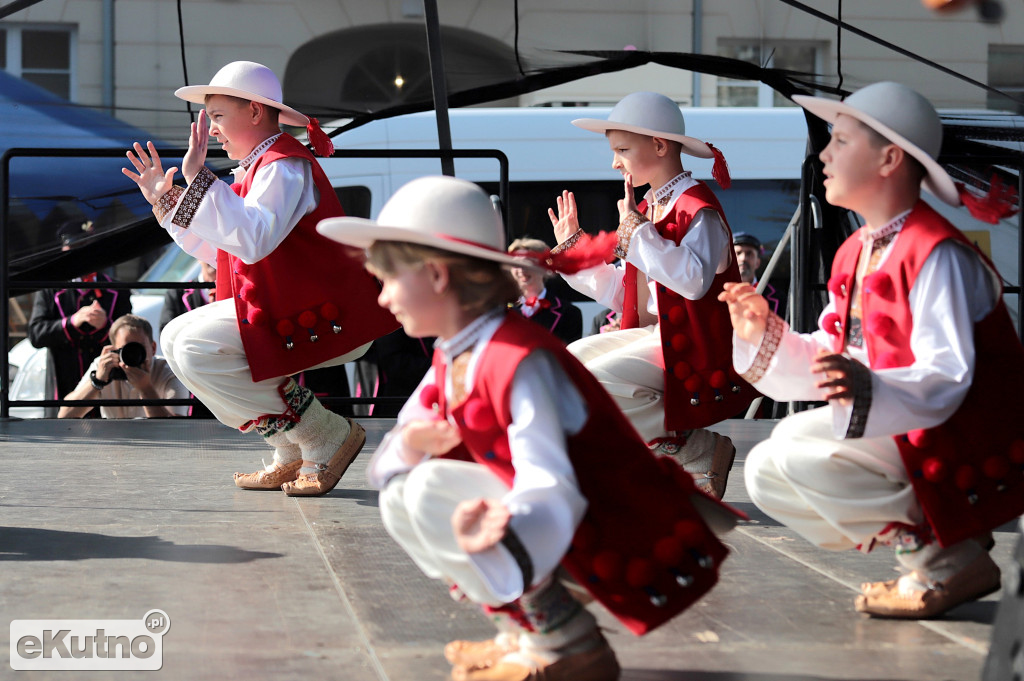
1006 72
40 54
801 56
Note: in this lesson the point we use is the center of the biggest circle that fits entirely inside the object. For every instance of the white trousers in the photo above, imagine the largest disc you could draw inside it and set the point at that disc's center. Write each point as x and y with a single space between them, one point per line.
417 510
204 349
835 493
630 365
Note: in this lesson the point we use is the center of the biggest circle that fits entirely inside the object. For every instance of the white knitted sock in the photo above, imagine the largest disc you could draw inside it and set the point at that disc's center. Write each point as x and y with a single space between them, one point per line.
933 563
319 433
284 450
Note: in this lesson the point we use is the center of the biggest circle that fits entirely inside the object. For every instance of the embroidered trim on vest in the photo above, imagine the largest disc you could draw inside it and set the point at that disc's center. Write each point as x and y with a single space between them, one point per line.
860 376
630 224
769 345
568 243
166 203
193 197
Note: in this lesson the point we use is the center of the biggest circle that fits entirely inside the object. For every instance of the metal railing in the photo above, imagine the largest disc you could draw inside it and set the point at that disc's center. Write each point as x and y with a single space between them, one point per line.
7 286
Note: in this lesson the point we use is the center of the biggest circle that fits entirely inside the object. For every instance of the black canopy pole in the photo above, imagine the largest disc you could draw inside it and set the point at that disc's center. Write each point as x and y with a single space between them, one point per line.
438 84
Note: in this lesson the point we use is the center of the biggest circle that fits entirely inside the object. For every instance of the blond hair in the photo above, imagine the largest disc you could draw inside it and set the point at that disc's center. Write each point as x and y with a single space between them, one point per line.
478 284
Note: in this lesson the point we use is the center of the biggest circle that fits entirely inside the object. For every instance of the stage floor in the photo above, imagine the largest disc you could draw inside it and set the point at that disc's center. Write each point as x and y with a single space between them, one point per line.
108 520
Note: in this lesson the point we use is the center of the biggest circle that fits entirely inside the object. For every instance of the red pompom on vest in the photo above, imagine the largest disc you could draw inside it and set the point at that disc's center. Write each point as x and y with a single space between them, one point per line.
967 473
308 301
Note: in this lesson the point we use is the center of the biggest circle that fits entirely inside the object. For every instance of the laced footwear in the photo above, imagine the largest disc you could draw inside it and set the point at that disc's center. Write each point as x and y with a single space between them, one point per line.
271 478
900 600
481 653
595 663
328 475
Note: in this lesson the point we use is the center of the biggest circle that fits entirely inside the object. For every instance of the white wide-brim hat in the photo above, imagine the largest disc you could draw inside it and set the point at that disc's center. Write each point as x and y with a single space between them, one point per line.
441 212
247 80
902 116
651 114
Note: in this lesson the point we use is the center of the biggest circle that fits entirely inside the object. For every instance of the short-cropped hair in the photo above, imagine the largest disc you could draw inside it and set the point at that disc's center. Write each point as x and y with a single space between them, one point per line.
133 322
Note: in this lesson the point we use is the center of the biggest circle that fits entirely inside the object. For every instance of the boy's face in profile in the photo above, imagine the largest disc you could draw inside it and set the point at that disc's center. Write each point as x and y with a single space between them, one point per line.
635 155
231 124
852 161
411 294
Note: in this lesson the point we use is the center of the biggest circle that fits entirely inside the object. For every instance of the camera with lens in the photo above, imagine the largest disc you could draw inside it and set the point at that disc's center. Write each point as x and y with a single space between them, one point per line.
132 354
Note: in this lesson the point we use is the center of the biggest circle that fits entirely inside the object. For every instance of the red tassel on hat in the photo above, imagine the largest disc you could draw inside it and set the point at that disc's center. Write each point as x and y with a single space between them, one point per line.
322 144
720 171
1000 202
588 251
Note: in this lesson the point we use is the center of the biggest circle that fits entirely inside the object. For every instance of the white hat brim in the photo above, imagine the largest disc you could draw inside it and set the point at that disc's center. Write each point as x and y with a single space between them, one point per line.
691 145
362 233
937 181
197 94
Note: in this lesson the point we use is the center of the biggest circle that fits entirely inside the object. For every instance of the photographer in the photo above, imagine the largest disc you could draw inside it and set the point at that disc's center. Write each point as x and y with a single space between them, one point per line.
128 370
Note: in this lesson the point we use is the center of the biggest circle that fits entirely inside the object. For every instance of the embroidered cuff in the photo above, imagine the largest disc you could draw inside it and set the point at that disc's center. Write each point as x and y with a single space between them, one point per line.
625 232
193 197
769 344
861 377
166 203
568 243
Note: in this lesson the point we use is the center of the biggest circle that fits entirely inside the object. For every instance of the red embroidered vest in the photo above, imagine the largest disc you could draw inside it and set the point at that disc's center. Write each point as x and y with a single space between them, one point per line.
701 386
641 550
308 301
967 473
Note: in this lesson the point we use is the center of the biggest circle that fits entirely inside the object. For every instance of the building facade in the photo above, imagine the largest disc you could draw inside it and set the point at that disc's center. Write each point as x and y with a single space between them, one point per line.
336 55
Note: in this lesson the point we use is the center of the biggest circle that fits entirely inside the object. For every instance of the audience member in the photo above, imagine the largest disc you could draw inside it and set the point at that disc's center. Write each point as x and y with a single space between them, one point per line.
73 323
540 305
128 370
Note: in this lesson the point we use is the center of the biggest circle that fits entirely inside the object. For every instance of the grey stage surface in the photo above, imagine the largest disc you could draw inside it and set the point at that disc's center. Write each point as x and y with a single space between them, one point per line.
108 520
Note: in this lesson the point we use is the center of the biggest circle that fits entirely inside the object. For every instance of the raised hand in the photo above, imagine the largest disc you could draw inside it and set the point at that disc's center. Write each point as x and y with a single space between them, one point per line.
747 309
566 222
198 140
150 176
479 524
627 204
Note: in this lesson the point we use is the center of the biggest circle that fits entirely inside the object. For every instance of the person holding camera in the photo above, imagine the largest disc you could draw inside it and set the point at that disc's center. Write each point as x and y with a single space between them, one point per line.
128 370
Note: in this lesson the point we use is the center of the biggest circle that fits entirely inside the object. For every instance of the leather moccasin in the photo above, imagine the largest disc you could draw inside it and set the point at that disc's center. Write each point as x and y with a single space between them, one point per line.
978 579
596 664
481 653
272 479
327 476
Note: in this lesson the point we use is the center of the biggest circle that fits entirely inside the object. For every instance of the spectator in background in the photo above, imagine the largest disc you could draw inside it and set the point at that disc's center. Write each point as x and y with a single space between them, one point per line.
119 374
748 251
606 320
537 304
73 323
181 300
